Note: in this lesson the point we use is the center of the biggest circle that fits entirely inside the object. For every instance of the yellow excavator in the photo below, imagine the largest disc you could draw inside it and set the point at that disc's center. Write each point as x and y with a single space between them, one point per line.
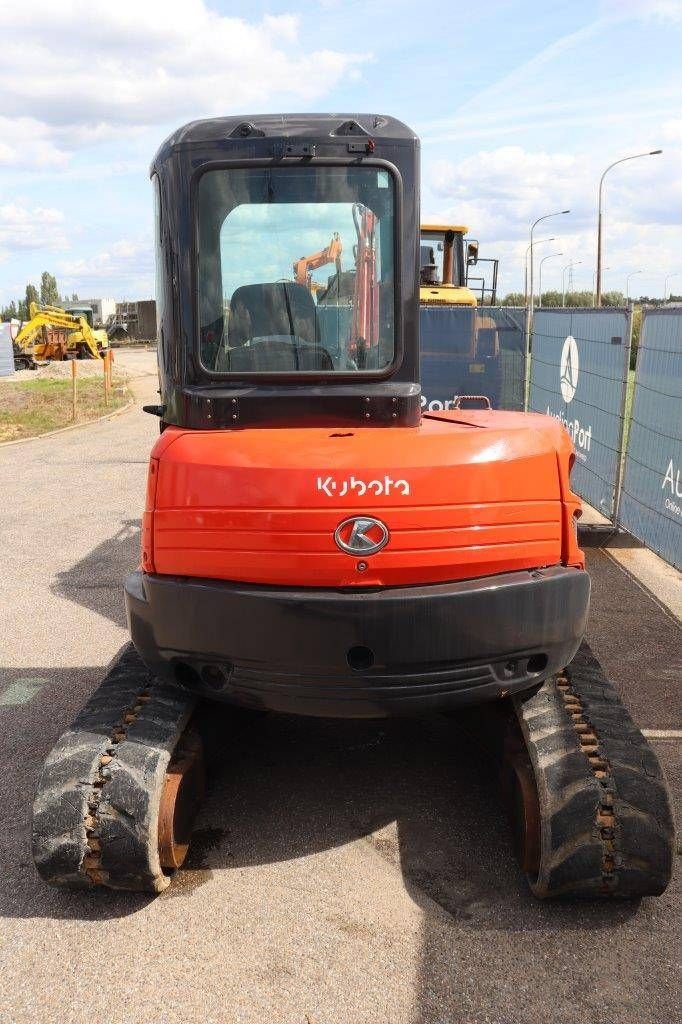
52 333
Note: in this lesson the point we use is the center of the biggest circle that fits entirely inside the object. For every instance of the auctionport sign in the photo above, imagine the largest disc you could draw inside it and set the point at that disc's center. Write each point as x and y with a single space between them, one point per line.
579 365
651 502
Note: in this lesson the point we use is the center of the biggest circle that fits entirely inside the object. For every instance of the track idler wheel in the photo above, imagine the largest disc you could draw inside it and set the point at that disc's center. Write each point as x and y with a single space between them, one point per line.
183 792
521 798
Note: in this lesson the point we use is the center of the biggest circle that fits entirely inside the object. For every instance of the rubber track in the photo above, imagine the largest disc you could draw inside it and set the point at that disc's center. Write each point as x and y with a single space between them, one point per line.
95 815
606 821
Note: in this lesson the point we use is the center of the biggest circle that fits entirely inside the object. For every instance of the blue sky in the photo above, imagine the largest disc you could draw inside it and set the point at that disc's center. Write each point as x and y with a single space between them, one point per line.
519 107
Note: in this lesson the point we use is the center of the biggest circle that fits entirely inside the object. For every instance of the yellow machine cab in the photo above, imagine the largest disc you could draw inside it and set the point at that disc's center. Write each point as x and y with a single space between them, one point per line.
443 265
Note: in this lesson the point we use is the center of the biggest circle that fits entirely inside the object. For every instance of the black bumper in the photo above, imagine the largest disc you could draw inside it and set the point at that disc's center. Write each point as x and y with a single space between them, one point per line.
352 653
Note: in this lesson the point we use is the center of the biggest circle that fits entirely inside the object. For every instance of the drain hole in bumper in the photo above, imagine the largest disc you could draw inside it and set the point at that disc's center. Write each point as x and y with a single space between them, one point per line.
360 659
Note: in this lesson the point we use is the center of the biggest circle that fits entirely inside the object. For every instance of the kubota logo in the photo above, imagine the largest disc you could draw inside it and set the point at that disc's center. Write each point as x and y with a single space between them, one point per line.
568 371
361 535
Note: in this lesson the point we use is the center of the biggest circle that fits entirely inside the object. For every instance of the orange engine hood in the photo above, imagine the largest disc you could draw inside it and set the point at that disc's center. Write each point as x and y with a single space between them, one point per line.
462 495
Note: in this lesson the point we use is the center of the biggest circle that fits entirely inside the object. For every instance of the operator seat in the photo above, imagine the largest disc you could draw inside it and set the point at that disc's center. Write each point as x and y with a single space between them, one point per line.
282 315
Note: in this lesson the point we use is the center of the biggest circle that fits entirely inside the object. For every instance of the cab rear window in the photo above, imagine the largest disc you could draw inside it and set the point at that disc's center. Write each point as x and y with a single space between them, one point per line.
296 270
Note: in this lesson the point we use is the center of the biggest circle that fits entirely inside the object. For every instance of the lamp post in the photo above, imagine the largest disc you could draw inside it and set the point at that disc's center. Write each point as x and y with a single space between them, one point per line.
544 260
594 284
540 241
529 307
665 286
635 156
627 285
573 263
557 213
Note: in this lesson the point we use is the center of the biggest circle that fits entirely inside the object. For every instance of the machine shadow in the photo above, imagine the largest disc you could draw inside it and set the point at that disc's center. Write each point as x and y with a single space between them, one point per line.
96 581
29 728
424 793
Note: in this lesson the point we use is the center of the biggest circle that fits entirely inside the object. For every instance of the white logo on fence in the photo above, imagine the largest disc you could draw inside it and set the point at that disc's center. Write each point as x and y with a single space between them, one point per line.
568 369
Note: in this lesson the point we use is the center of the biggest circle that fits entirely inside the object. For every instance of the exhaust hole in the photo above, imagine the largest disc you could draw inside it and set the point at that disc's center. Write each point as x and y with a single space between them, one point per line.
185 674
213 676
360 658
537 663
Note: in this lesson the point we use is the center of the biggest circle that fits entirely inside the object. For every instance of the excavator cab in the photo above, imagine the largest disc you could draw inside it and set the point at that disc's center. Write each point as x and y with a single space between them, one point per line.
443 266
313 544
235 313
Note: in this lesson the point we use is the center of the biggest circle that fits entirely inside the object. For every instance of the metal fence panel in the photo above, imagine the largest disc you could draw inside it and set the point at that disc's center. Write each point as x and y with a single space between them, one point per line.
467 351
579 365
651 499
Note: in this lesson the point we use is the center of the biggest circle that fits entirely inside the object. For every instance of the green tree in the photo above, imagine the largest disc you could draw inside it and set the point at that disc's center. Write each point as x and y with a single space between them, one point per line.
49 293
9 312
31 296
579 299
513 299
74 297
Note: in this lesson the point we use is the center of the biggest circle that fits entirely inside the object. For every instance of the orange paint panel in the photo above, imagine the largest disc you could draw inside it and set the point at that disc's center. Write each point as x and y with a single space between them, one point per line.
463 495
318 520
323 542
339 570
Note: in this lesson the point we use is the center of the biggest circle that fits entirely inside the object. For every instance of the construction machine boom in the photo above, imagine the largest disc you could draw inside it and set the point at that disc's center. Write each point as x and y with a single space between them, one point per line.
304 267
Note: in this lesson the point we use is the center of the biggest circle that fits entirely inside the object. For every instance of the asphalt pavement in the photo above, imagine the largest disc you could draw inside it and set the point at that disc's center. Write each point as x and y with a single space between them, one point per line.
340 872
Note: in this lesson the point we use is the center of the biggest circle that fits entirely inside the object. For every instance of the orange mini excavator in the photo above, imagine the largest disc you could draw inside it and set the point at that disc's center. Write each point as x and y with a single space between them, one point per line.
304 267
313 544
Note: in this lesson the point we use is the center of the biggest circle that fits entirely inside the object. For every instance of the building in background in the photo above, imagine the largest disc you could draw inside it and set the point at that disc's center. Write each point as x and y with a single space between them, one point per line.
133 320
102 309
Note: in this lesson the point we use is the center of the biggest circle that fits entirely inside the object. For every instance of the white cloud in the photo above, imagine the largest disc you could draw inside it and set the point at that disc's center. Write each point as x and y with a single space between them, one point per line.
500 192
27 230
26 142
126 265
97 66
645 10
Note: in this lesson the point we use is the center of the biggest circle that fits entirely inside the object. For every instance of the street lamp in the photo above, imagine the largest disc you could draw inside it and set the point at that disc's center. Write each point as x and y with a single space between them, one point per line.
573 263
627 285
594 284
636 156
540 241
543 260
665 286
557 213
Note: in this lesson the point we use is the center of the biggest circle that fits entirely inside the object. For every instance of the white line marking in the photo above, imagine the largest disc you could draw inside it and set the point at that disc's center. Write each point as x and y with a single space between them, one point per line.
662 734
21 691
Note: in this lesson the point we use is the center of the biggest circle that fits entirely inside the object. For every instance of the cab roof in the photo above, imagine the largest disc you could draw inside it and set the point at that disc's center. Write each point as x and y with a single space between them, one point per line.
285 126
445 227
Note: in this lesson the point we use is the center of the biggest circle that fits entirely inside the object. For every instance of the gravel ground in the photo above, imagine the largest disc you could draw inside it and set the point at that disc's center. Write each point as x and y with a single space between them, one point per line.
341 873
61 371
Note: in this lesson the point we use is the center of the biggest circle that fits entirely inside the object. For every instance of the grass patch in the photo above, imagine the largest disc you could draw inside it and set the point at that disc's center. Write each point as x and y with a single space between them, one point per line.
30 408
